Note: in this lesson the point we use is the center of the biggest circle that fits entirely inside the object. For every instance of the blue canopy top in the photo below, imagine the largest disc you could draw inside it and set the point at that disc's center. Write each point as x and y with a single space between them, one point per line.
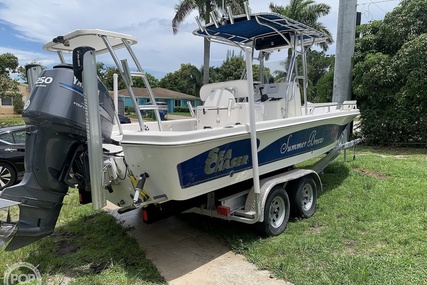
263 31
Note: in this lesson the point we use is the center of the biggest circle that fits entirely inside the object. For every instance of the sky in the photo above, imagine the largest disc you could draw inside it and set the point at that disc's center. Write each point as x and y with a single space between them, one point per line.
26 25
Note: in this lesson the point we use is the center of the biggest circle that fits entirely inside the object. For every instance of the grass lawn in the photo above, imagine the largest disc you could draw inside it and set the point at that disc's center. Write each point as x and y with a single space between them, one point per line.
370 226
88 247
6 122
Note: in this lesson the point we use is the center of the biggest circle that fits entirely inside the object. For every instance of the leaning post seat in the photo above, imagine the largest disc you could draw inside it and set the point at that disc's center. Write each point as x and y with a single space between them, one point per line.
219 108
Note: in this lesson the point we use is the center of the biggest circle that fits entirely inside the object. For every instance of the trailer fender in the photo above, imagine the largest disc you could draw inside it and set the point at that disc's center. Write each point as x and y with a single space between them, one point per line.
268 183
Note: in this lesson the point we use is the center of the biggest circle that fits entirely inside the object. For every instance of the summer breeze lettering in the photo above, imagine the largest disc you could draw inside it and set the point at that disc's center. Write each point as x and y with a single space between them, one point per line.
291 146
300 142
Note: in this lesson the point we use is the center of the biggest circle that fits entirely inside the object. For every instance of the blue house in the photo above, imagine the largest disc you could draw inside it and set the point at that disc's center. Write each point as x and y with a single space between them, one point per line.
173 99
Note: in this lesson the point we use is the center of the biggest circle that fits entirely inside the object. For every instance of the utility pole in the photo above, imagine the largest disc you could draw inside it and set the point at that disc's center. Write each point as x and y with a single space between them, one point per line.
344 50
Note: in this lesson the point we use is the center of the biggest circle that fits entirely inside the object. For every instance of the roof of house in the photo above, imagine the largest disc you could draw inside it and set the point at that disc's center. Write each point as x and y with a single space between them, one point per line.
158 92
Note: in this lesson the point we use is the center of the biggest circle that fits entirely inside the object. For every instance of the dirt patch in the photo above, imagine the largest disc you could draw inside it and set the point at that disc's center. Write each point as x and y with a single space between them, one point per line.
372 173
314 230
63 243
351 247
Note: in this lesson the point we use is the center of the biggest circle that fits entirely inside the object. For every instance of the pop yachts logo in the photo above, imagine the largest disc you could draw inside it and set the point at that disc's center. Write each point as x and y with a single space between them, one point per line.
22 272
290 146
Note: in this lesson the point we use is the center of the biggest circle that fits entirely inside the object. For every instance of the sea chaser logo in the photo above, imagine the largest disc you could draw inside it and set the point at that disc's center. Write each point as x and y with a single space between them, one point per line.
290 146
219 160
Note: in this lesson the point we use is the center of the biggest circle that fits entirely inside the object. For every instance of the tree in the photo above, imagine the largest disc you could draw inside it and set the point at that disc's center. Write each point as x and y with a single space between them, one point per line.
8 63
324 88
405 23
106 74
8 86
107 77
390 78
204 7
188 80
153 81
306 12
319 65
233 67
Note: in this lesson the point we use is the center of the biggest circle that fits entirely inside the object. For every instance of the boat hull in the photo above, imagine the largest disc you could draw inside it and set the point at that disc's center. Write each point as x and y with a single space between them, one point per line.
184 165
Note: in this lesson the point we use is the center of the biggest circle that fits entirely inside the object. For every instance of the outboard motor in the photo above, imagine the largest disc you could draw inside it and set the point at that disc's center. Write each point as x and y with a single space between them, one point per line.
56 156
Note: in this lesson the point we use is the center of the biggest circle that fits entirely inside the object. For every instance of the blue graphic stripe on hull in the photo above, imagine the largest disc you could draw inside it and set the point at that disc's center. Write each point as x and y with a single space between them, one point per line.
236 156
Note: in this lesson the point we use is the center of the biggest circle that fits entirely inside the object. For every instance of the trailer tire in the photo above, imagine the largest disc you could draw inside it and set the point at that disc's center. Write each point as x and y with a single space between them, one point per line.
303 196
276 212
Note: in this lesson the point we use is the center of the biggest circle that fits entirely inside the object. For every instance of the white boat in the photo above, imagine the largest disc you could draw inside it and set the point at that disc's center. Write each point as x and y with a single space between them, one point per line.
188 158
245 133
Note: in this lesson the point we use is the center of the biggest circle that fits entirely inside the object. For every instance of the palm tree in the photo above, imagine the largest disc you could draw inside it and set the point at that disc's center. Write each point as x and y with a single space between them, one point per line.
204 7
307 12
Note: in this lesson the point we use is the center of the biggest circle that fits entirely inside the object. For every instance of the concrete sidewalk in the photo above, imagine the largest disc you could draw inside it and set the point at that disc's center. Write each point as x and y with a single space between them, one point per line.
185 255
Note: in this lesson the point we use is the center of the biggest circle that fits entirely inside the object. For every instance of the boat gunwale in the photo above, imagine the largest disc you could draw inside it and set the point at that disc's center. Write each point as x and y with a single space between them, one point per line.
172 138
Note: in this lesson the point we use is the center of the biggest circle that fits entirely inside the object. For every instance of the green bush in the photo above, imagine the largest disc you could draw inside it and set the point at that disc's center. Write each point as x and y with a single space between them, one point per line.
129 109
181 110
390 77
18 104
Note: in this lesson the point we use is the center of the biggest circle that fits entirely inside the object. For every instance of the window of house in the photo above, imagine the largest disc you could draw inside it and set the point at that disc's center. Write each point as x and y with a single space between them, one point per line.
7 101
177 103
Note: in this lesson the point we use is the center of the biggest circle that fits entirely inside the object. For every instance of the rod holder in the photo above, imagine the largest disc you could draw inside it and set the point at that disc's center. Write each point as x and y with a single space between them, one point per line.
230 15
214 19
247 11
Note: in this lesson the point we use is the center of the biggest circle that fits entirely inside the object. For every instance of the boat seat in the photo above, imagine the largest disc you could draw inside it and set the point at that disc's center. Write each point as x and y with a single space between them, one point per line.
239 88
220 98
218 110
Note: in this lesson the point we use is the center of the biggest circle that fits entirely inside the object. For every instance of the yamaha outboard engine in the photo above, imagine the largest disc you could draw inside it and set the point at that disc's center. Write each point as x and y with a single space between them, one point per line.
56 156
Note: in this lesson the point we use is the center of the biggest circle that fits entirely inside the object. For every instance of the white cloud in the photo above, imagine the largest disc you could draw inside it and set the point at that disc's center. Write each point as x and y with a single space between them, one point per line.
150 21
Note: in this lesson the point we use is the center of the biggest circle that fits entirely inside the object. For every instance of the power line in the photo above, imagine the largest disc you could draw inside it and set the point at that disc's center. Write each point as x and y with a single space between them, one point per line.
375 2
379 6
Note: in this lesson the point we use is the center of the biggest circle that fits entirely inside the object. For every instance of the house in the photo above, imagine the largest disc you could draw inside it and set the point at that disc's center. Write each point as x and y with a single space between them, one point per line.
172 98
6 104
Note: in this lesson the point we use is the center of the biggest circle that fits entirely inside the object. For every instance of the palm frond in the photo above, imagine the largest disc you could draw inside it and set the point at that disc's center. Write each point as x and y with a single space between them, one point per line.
183 9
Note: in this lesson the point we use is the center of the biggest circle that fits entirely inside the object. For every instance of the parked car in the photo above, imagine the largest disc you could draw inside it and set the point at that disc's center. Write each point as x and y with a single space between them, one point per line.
12 151
163 109
124 119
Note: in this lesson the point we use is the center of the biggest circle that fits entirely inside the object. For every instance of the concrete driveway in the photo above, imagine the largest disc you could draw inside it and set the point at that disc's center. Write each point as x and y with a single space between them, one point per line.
185 255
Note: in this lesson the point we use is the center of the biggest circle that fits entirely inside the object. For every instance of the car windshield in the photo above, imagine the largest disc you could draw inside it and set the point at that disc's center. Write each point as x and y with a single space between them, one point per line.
14 137
20 136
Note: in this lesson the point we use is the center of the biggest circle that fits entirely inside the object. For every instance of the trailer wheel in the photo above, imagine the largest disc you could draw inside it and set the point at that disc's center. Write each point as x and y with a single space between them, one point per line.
304 197
276 212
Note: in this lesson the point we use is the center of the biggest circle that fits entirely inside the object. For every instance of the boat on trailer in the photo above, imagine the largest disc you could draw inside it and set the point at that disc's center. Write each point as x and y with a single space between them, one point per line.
233 159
